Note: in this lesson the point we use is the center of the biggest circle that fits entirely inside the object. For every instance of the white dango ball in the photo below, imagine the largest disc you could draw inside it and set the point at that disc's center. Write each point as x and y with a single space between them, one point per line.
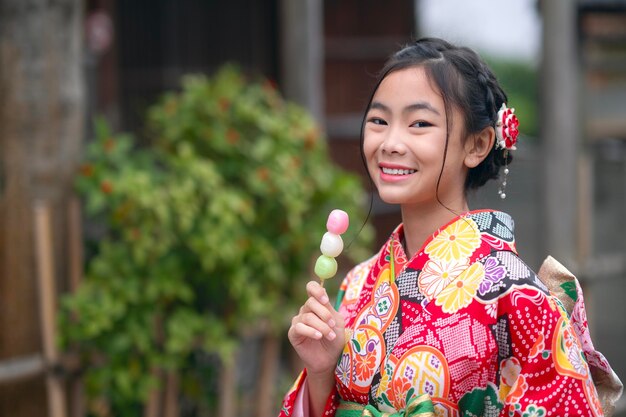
331 245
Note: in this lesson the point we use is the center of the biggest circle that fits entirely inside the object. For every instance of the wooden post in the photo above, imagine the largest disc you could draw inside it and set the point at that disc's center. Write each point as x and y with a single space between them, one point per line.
172 387
75 268
41 131
75 244
47 305
302 53
560 129
228 389
153 406
266 406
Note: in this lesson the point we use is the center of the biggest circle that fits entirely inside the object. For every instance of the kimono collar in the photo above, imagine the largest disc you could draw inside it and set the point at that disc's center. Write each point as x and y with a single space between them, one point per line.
457 239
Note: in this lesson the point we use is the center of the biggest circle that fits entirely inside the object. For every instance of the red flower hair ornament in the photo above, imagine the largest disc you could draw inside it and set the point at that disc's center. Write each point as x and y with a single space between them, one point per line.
506 128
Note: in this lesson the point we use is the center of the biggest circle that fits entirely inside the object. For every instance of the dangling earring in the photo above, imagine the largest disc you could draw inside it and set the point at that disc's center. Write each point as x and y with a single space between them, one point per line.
502 189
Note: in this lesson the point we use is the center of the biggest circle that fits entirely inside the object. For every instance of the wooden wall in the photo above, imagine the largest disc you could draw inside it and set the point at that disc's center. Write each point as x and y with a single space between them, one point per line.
359 35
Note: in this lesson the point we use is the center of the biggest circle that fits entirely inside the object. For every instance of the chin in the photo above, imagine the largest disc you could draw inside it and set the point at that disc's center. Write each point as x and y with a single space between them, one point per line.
401 198
392 198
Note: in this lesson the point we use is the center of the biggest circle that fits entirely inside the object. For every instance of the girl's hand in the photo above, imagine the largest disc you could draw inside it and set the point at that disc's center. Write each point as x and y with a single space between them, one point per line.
317 332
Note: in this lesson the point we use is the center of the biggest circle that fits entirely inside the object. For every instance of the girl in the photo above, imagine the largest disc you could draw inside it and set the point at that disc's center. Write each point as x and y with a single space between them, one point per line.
445 319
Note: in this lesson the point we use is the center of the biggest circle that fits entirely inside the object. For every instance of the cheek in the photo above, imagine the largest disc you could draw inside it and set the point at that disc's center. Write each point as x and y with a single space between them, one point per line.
369 146
454 171
369 150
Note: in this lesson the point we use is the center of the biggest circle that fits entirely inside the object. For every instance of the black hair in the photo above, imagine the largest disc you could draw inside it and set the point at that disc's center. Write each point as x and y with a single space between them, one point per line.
465 82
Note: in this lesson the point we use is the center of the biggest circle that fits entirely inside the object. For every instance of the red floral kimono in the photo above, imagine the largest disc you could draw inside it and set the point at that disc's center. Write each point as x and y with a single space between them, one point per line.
466 322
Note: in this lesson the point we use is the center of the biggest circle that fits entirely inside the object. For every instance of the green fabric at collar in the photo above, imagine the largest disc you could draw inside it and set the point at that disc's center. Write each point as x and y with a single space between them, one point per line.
420 406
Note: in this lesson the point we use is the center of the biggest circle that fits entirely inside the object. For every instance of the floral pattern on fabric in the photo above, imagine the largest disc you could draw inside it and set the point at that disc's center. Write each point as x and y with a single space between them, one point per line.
460 294
466 322
457 241
437 274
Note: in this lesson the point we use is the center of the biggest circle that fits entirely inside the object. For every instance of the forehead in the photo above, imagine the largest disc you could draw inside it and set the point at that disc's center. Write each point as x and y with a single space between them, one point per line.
409 85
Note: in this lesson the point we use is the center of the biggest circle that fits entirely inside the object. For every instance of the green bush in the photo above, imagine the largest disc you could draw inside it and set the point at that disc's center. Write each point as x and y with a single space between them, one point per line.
209 230
520 81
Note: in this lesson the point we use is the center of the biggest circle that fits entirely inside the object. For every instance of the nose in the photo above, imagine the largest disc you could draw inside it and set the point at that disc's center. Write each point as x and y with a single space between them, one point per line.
394 142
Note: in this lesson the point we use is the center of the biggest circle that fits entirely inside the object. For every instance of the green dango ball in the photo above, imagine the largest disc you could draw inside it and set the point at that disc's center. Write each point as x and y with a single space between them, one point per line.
325 267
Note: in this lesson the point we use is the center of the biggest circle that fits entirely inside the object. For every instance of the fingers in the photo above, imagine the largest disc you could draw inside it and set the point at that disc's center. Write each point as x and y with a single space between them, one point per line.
312 305
317 318
315 290
309 325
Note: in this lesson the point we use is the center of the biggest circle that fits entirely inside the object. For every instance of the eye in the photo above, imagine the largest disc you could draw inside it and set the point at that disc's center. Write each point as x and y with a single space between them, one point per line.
421 123
377 121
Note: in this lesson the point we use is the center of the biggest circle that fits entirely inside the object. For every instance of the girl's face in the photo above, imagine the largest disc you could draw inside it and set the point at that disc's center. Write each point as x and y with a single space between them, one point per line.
404 143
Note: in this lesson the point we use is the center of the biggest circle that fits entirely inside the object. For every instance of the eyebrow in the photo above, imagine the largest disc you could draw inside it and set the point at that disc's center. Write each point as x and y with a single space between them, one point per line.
421 105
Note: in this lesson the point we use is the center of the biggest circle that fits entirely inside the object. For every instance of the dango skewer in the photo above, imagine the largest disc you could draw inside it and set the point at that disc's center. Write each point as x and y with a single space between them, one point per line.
331 245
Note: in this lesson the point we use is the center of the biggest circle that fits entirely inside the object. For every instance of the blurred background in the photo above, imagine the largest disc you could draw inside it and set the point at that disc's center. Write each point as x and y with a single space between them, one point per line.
156 230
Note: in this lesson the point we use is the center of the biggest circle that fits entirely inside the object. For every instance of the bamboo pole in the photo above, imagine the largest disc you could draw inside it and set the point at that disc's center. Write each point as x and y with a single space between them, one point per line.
47 305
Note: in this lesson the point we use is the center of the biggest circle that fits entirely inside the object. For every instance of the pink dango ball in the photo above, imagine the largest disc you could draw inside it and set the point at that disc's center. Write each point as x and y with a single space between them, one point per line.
338 222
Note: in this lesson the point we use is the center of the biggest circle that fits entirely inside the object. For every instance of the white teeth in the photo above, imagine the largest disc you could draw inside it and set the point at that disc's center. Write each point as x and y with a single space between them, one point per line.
393 171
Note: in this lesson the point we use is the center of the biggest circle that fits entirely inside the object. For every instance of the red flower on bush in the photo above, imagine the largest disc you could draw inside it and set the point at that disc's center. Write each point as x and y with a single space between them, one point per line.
506 128
310 139
263 173
270 85
109 145
106 187
224 104
86 170
232 136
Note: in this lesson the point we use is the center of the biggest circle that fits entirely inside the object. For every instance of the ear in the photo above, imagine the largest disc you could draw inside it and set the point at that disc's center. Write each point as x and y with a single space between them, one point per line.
478 146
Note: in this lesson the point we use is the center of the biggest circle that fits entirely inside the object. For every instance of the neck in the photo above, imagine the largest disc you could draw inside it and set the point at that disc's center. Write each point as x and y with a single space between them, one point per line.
421 222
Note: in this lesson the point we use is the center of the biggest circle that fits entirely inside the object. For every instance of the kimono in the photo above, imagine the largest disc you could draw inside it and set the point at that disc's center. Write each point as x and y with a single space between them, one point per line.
464 326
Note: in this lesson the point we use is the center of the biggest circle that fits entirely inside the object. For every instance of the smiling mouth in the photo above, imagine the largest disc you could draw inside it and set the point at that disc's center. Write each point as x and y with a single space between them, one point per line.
394 171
